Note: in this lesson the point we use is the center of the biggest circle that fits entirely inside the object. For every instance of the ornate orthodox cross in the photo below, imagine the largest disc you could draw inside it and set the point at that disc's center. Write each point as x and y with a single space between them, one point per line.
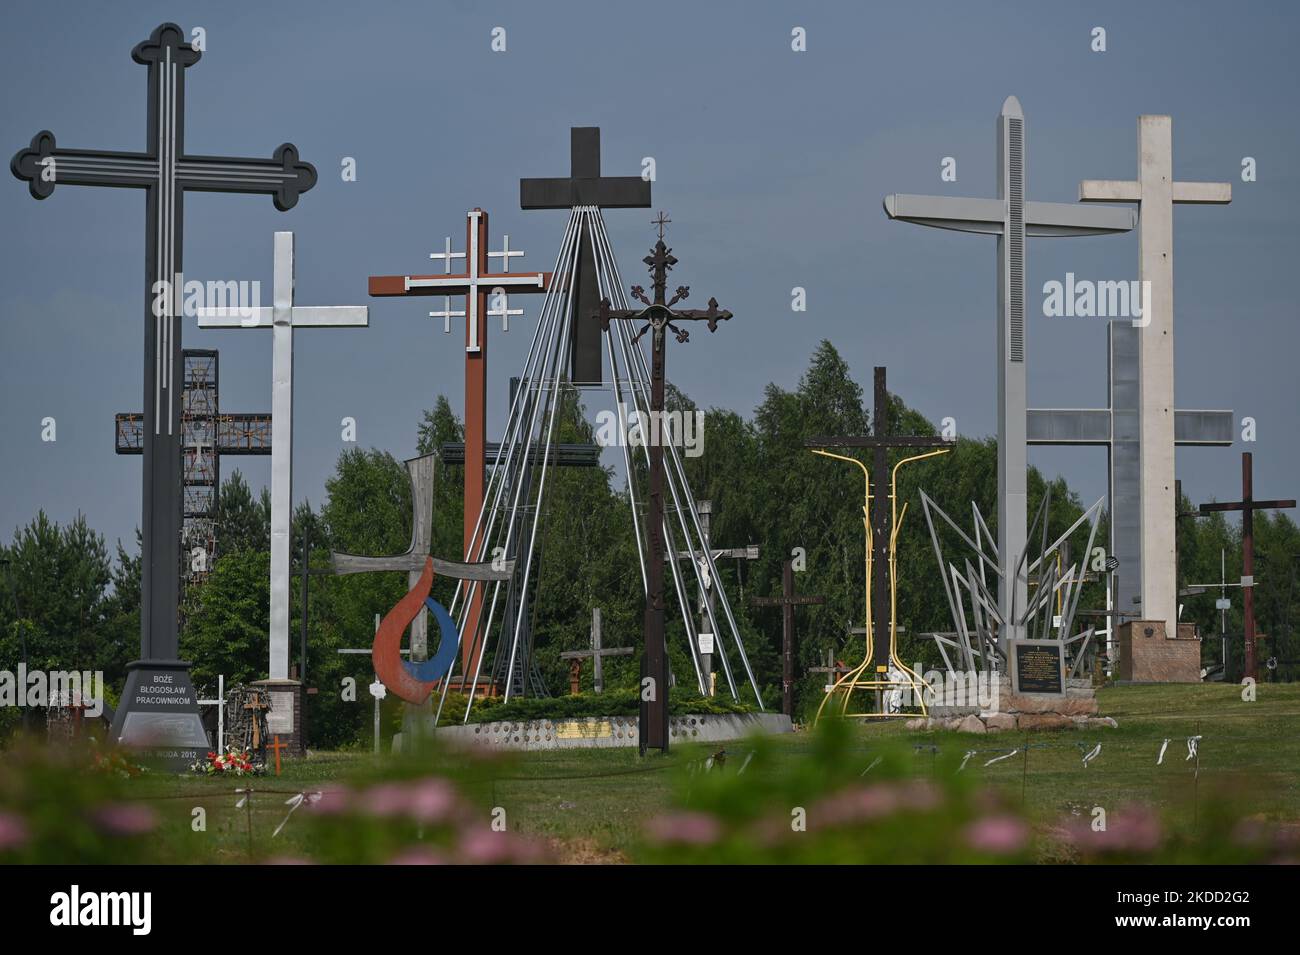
476 283
1248 506
282 318
787 602
881 440
1012 218
165 172
585 186
659 317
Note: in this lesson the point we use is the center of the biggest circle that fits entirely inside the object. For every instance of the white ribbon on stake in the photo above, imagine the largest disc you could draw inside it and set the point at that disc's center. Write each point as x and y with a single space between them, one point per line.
998 759
1092 754
1192 742
293 802
1163 746
965 759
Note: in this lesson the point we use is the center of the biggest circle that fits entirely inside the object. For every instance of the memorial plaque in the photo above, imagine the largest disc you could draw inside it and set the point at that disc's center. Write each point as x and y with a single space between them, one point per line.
279 721
1038 666
159 714
581 729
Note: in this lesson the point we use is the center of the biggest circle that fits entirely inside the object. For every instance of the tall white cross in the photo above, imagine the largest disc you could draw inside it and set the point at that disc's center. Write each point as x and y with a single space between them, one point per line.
1155 191
282 318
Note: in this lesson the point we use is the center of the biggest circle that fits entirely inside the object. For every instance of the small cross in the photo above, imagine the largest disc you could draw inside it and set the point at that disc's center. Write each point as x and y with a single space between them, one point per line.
277 746
447 313
660 220
575 658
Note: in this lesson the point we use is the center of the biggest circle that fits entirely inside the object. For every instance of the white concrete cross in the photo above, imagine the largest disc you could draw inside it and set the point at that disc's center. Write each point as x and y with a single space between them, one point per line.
447 313
1155 191
282 318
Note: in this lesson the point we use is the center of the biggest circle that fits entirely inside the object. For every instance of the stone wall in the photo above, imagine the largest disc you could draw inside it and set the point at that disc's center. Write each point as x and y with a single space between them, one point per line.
1148 655
1076 709
605 732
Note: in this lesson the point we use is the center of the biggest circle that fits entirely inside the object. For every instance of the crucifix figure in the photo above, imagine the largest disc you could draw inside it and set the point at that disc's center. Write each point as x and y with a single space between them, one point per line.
575 658
659 316
882 520
787 602
282 318
1248 506
707 591
476 283
165 172
1012 218
585 186
1155 191
207 435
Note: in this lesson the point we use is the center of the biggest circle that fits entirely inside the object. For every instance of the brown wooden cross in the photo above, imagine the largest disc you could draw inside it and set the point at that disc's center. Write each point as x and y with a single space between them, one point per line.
575 658
659 316
277 746
881 441
787 602
257 706
1248 506
476 283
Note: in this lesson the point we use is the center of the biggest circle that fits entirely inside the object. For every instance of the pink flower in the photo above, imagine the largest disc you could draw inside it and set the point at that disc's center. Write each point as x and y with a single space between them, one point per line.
1000 835
1134 830
13 831
481 846
386 799
125 819
431 800
287 860
332 802
684 828
417 857
857 805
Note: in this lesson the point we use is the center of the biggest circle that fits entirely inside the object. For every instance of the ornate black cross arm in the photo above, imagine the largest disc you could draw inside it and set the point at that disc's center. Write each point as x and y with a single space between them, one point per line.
660 314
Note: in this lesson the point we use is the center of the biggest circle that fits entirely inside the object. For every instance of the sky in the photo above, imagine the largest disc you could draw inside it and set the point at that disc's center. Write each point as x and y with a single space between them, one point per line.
771 163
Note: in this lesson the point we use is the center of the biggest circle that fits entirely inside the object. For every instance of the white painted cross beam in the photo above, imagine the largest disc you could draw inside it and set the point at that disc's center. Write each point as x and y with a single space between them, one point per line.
1155 191
1011 218
282 318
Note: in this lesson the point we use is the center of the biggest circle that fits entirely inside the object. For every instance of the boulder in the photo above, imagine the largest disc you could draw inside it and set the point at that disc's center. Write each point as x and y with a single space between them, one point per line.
971 724
999 721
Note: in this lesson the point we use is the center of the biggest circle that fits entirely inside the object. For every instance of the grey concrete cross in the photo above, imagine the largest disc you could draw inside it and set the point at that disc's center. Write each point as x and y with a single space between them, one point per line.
1012 219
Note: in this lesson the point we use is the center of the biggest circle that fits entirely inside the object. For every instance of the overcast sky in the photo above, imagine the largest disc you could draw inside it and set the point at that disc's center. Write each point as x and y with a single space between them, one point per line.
771 163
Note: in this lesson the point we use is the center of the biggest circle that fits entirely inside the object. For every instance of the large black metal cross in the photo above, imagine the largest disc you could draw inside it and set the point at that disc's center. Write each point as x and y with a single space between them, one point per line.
881 441
165 172
585 186
659 316
1248 506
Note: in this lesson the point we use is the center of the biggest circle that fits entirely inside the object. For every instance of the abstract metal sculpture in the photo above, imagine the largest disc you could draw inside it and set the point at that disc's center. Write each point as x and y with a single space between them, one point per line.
1012 219
165 172
659 317
282 318
978 638
414 681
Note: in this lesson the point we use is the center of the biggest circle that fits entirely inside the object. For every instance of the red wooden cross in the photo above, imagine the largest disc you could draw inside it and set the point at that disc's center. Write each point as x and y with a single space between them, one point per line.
277 746
476 283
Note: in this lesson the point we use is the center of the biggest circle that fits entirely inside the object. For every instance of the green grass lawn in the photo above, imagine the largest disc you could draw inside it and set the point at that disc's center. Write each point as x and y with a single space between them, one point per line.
591 803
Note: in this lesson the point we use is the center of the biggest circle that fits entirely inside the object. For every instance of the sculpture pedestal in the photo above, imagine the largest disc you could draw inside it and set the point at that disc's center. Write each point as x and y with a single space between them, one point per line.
1147 654
158 714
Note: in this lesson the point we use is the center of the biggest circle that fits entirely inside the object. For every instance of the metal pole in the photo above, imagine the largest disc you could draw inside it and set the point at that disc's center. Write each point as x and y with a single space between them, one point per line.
787 639
221 713
1248 562
654 660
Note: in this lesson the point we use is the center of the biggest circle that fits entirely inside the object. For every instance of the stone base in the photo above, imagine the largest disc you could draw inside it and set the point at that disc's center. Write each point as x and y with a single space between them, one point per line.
285 717
611 731
1148 655
1076 708
158 714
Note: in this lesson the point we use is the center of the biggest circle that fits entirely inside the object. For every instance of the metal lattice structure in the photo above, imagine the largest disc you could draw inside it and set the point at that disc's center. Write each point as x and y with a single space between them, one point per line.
206 435
972 590
518 480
